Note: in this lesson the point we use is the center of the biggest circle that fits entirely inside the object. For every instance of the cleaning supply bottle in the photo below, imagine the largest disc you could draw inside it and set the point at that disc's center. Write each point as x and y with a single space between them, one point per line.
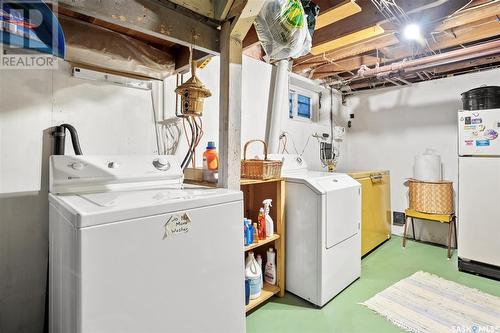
245 232
253 273
262 224
210 163
255 233
269 220
248 232
259 261
270 269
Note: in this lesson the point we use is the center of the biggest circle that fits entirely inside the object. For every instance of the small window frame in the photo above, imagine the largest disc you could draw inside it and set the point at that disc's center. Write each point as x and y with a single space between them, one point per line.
293 96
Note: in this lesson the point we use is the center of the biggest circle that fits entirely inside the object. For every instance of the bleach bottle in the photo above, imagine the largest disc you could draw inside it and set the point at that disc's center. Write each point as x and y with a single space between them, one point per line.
269 220
270 269
253 273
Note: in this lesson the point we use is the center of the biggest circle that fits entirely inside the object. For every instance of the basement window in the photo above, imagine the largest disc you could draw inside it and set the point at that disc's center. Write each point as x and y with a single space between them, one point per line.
299 105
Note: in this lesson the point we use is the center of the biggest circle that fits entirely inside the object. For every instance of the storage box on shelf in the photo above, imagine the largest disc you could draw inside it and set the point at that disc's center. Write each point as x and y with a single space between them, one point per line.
254 192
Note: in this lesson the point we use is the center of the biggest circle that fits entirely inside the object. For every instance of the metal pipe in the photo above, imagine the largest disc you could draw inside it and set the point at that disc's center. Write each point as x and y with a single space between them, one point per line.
472 52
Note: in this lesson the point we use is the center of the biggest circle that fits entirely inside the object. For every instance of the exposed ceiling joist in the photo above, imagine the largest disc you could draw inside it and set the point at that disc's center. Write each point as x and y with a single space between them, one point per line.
468 33
368 17
347 51
345 65
202 7
335 11
348 39
469 16
148 17
221 8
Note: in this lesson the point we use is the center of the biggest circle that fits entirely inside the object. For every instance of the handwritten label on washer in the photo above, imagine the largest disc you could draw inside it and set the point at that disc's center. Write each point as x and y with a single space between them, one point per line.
177 224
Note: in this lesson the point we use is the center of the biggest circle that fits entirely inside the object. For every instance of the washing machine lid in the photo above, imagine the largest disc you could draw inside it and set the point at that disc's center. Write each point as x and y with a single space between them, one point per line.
91 174
321 182
84 210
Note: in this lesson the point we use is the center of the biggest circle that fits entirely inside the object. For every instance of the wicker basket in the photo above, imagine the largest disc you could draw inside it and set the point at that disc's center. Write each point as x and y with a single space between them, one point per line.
431 197
259 169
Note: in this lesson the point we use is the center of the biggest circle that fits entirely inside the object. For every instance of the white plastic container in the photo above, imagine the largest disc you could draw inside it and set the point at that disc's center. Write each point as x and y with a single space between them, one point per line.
259 261
427 167
270 269
253 273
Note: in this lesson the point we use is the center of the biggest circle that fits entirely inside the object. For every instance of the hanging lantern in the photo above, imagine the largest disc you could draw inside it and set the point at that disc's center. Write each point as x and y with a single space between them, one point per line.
192 93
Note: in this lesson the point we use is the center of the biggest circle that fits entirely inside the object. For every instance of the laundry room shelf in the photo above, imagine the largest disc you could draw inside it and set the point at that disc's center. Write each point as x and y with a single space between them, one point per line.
262 242
267 292
254 193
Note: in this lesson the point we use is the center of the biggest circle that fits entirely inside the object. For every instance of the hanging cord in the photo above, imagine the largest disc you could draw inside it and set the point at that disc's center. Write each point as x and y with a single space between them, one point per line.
286 134
171 133
283 140
155 122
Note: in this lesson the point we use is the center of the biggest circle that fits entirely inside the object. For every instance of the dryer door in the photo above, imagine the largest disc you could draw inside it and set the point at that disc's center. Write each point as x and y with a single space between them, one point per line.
343 210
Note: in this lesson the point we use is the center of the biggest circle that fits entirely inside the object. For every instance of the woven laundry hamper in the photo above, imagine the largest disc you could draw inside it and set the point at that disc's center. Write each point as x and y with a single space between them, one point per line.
431 197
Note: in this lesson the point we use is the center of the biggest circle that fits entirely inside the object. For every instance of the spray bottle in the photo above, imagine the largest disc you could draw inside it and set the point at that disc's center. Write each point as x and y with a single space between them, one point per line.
269 220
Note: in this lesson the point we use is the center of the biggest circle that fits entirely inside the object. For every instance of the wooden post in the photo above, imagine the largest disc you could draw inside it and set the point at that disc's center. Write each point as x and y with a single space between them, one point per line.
233 30
230 109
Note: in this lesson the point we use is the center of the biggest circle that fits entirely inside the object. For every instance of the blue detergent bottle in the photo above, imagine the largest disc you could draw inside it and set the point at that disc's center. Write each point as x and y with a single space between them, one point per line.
250 232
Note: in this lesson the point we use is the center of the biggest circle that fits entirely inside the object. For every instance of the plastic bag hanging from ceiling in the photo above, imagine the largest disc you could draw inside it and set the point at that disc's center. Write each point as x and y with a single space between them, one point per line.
99 47
282 29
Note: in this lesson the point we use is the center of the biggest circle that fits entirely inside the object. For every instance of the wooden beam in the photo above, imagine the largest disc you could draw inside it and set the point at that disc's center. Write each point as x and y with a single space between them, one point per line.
221 8
368 17
469 33
469 16
151 18
202 7
345 65
347 40
182 63
336 13
233 31
371 44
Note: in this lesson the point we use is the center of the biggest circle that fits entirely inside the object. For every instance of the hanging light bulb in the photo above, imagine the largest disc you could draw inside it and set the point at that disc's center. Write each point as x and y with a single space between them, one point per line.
412 32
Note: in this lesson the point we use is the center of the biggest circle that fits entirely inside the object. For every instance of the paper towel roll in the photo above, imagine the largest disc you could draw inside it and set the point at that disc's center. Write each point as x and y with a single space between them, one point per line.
427 167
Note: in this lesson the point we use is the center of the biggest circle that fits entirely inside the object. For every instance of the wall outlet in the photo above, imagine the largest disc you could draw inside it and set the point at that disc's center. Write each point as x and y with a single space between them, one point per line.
398 218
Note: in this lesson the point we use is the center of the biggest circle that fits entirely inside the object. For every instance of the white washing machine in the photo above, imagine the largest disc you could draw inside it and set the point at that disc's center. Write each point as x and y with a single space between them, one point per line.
323 236
131 250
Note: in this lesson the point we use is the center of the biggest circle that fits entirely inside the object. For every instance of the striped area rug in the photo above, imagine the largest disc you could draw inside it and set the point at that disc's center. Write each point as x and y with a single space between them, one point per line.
427 303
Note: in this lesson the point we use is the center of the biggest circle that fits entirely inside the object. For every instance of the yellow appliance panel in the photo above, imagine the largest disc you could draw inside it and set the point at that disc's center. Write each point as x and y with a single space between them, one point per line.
376 208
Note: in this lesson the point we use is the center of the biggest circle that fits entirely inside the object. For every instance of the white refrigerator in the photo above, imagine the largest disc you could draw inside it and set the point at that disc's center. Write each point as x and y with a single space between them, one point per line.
479 192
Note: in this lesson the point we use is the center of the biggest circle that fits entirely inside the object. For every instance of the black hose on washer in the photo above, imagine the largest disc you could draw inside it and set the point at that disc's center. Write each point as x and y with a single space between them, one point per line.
60 139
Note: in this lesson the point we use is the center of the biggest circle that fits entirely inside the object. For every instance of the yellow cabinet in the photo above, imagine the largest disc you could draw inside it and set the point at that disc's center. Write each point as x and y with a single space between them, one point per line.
376 208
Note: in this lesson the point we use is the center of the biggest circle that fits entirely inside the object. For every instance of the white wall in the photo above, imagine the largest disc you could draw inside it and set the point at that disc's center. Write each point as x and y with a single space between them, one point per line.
256 106
110 120
393 125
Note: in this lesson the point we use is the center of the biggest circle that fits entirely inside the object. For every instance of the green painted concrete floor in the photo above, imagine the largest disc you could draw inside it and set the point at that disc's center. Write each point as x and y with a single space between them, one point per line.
380 269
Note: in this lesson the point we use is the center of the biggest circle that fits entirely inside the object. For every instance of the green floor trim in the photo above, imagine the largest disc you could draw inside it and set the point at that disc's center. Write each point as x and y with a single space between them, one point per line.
382 268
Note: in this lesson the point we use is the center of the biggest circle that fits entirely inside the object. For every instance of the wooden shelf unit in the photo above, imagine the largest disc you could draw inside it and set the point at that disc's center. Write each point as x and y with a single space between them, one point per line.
262 242
254 192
